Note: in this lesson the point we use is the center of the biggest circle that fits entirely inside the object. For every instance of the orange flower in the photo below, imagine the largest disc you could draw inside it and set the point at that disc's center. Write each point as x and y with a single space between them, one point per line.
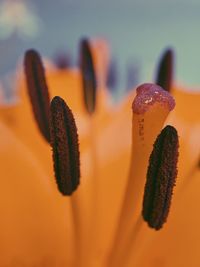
100 223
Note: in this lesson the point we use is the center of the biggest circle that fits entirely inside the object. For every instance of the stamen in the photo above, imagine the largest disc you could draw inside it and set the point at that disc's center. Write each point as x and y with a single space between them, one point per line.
62 60
112 76
132 75
64 141
38 91
161 176
88 76
165 70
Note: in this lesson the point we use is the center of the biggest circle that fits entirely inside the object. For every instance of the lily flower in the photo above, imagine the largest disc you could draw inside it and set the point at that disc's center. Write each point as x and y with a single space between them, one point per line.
115 169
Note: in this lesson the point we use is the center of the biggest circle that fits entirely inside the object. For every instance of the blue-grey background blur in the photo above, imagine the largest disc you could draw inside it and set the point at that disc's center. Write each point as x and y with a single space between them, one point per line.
138 32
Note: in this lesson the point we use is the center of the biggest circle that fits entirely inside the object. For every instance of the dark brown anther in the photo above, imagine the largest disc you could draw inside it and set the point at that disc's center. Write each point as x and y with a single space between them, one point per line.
161 177
112 76
165 70
64 142
62 60
38 91
88 76
198 162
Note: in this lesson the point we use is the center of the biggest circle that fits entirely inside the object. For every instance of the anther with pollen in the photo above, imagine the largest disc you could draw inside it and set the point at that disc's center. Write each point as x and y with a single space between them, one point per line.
88 76
166 70
38 91
161 177
64 142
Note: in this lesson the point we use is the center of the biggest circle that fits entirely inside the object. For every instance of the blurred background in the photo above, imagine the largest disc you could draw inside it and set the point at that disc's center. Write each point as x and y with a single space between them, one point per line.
138 31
